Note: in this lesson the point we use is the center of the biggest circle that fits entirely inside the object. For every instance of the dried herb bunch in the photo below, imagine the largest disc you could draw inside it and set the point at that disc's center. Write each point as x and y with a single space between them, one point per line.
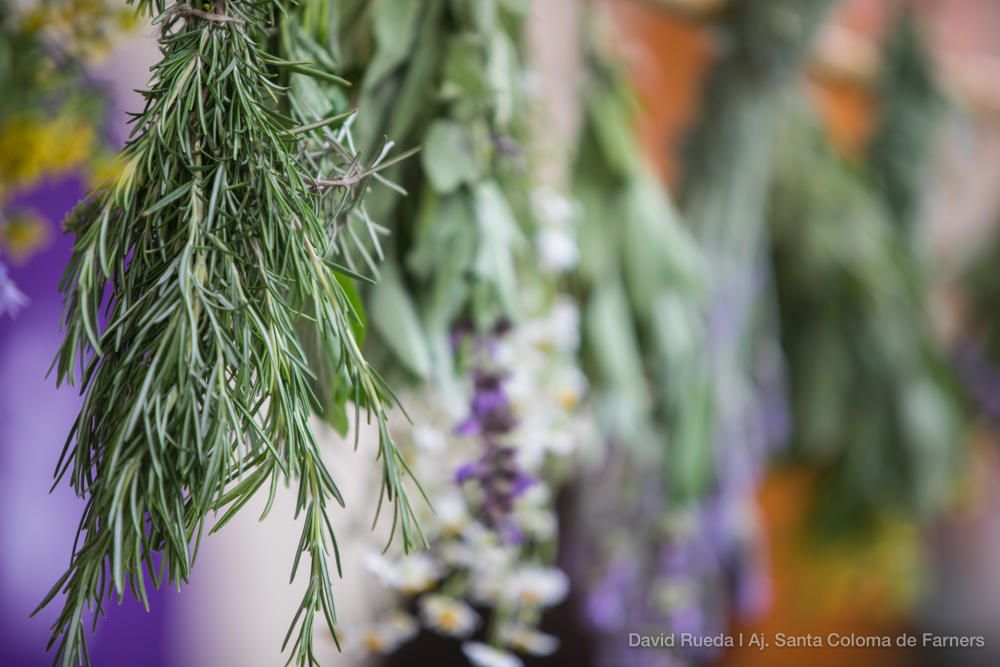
645 286
210 253
858 342
447 74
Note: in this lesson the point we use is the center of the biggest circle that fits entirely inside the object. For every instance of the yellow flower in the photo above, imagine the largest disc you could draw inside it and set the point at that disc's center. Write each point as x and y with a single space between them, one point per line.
20 157
31 147
24 234
70 142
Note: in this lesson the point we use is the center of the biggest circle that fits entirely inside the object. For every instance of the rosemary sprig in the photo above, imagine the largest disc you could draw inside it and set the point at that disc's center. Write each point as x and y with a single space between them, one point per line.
207 251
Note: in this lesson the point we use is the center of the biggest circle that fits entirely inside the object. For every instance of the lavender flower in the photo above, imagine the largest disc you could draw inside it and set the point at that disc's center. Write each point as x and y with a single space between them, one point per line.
491 418
492 540
980 377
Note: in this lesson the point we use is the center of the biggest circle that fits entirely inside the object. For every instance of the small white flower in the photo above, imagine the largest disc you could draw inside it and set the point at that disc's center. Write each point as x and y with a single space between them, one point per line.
565 323
558 251
523 639
550 205
485 588
559 329
383 636
570 386
452 515
428 438
540 524
457 554
409 575
371 640
403 626
536 496
448 616
482 655
538 586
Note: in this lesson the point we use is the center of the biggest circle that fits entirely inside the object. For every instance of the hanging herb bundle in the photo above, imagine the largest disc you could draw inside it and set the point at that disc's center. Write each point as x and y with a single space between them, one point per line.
489 460
444 74
204 254
854 321
458 312
728 157
644 282
331 161
858 342
660 543
698 560
727 172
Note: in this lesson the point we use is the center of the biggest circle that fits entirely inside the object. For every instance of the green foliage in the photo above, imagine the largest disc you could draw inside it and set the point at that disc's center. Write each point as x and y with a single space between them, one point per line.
909 100
644 281
874 406
211 254
728 167
444 74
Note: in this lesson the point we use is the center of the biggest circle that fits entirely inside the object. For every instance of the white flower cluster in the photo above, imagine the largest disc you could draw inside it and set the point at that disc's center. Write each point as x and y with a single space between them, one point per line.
474 584
555 241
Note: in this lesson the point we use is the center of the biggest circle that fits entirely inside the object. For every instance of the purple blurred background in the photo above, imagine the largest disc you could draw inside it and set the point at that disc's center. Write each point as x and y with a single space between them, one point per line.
37 528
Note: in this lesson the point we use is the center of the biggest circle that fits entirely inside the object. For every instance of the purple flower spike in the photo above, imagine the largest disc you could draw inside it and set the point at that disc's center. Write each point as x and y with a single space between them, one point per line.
522 483
467 471
469 427
512 534
491 417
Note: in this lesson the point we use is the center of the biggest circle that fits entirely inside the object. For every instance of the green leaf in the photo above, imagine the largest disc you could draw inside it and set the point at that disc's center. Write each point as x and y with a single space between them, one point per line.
395 26
499 238
395 318
448 159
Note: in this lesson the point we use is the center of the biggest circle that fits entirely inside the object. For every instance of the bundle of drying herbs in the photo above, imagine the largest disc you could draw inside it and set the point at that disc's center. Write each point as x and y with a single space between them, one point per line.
644 285
445 74
686 376
193 274
661 540
728 169
858 340
851 281
469 321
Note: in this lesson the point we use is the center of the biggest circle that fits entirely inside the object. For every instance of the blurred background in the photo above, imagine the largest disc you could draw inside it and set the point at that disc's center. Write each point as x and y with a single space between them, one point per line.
839 552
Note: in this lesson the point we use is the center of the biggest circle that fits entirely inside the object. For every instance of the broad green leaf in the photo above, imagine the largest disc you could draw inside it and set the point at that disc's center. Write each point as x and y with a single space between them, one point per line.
499 238
448 158
395 25
395 318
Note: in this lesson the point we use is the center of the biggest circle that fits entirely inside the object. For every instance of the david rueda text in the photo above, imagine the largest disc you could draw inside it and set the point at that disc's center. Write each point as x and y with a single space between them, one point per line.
664 640
780 640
